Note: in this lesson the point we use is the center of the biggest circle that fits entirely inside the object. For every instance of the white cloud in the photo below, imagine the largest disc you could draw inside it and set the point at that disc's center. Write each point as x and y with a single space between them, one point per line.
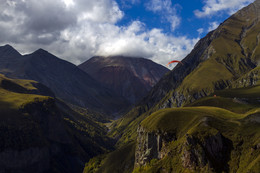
167 10
200 31
98 11
212 7
212 26
78 30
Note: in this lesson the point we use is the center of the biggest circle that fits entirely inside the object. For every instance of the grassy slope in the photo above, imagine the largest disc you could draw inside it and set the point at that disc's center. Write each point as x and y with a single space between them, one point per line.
120 160
11 101
234 115
202 122
22 128
227 115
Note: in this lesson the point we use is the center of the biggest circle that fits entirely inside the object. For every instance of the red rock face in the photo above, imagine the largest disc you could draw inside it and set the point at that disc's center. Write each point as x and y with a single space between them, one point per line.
130 77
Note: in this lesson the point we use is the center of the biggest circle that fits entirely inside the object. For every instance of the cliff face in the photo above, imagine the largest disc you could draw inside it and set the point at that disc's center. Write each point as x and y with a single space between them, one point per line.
213 151
151 145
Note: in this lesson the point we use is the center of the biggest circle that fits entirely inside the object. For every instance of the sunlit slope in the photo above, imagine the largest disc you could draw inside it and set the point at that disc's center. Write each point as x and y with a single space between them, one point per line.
237 137
14 94
230 55
226 58
235 122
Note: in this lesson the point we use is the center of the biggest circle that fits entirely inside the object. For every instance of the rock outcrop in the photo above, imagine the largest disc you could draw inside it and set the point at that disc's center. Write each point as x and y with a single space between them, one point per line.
151 145
212 152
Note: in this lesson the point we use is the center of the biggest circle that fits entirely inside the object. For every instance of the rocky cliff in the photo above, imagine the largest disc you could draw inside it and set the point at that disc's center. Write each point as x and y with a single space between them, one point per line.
151 145
212 151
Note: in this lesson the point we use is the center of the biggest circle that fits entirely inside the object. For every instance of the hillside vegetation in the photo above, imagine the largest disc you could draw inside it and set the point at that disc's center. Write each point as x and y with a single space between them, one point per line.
231 118
40 133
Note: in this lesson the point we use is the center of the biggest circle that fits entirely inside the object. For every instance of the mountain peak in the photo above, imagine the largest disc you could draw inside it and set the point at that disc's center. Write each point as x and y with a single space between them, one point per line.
41 51
8 46
8 50
130 77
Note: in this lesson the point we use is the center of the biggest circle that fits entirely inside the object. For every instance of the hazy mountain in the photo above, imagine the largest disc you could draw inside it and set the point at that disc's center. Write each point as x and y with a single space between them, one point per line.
217 127
66 80
129 77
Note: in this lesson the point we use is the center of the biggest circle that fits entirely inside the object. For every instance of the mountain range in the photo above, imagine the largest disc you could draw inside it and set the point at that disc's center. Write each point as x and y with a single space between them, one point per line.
202 116
75 86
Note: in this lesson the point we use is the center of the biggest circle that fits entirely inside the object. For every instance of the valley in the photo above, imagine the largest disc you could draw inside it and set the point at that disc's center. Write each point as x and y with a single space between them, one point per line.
123 114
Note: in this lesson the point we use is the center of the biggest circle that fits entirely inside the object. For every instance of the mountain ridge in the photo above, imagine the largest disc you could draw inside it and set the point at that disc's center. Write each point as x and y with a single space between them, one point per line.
66 80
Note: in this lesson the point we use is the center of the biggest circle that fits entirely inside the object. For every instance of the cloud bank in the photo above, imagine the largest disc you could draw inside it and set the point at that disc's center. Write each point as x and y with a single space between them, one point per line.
76 30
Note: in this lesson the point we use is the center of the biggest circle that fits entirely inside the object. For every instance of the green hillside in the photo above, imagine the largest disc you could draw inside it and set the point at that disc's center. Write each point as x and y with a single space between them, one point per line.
233 113
40 133
202 123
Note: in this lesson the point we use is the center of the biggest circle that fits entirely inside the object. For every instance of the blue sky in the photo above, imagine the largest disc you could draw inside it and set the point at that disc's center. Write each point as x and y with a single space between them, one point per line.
185 10
76 30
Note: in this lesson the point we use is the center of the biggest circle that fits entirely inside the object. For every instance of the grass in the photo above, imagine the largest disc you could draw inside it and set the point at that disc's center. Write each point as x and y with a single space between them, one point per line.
178 119
27 84
120 160
230 104
205 76
248 92
11 100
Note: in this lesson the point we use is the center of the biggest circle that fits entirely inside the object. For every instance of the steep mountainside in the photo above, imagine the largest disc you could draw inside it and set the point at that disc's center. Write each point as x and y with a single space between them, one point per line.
66 80
213 134
41 134
221 59
129 77
217 127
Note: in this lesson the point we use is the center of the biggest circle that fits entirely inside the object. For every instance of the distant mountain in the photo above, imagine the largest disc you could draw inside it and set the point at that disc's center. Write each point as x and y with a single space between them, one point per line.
66 80
41 134
129 77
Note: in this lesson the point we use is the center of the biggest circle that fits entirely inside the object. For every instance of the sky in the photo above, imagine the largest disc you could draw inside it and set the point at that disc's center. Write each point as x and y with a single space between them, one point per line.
76 30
